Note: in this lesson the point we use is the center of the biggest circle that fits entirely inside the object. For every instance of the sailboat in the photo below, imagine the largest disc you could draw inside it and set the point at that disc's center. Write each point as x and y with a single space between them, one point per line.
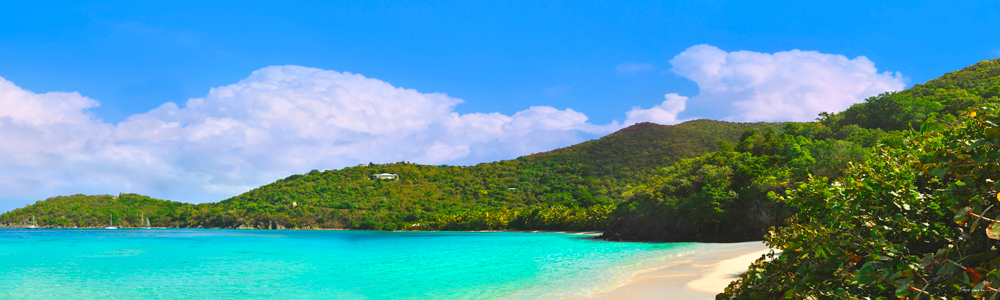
111 224
33 225
147 220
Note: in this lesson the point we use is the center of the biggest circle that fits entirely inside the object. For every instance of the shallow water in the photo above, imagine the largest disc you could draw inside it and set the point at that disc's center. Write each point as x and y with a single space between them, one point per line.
194 263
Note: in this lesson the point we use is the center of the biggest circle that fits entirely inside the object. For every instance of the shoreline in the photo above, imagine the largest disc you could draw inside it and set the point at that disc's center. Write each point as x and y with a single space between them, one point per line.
324 229
533 231
697 275
694 273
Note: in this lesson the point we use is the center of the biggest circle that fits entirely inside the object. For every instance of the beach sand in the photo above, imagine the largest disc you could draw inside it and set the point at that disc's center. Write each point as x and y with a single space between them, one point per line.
698 275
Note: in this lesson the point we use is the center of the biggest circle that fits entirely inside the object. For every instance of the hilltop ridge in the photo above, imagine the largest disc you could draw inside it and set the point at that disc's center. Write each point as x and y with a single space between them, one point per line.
571 188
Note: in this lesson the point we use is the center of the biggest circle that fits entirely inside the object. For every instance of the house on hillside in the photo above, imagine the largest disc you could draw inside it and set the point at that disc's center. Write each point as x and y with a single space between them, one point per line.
385 176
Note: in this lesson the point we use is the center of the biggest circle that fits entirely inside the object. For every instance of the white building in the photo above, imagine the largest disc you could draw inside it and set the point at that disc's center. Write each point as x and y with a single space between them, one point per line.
385 176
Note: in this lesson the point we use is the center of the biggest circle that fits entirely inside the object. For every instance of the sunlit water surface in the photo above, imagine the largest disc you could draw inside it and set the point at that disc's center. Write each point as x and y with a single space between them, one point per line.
233 264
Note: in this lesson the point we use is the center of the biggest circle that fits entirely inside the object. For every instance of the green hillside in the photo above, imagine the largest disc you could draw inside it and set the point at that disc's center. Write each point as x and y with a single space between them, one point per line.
916 221
938 100
723 196
573 188
96 211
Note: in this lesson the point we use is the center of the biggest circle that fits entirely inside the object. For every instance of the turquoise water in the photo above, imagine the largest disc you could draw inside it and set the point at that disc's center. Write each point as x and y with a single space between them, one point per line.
192 263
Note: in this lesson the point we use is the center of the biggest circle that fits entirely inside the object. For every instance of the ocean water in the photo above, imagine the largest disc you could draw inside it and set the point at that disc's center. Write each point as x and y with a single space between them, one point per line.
285 264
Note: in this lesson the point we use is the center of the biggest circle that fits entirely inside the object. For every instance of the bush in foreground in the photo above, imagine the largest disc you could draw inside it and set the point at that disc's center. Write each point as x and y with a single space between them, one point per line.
918 221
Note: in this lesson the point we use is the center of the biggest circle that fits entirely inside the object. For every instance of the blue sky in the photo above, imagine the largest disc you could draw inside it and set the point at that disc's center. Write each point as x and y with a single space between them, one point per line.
586 64
498 56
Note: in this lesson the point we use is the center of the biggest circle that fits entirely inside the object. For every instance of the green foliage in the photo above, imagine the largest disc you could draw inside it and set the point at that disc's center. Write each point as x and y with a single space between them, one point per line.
566 189
722 196
94 211
936 101
916 222
687 202
573 188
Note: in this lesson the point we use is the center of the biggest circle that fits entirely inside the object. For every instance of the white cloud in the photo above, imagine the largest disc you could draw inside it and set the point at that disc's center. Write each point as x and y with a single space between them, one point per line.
632 68
40 131
783 86
276 122
665 113
287 119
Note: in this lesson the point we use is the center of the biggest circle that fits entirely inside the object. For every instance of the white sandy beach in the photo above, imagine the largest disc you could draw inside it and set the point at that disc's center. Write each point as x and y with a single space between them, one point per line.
698 275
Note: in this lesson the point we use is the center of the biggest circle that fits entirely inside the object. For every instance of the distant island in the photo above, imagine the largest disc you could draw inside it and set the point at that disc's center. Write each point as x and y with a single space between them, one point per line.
894 197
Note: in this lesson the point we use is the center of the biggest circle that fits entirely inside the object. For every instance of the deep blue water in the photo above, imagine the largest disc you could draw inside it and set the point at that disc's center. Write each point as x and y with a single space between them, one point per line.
233 264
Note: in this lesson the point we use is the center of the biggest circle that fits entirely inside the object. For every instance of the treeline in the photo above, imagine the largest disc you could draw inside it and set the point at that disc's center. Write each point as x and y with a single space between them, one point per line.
723 196
936 101
917 221
81 211
574 188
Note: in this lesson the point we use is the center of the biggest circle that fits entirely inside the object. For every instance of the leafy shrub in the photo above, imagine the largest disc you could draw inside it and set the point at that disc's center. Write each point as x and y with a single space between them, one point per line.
914 222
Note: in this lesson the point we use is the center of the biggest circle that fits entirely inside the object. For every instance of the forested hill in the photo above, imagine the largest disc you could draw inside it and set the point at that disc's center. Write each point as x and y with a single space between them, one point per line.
724 195
937 101
569 188
635 151
127 210
915 221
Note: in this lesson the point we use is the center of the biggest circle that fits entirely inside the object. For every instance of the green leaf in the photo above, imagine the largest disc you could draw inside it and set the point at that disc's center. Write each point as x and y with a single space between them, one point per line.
868 273
993 133
962 215
903 291
940 172
979 290
993 231
950 270
819 253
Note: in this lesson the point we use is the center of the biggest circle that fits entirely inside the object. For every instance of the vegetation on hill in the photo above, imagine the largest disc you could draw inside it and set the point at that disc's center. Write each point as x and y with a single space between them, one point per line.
919 220
97 211
916 221
937 100
722 196
573 188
